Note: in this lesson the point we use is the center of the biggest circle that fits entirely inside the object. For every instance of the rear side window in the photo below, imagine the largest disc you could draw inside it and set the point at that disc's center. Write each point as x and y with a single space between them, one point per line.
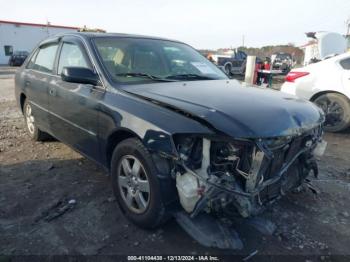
345 63
45 58
71 55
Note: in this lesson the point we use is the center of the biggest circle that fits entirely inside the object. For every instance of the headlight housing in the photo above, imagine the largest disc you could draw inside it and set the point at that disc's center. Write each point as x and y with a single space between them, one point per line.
225 153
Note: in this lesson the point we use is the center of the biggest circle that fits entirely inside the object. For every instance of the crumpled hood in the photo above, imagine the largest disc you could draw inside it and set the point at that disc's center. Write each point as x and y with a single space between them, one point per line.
241 112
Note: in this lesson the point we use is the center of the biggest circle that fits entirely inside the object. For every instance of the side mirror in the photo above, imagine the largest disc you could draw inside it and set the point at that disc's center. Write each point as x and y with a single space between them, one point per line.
80 75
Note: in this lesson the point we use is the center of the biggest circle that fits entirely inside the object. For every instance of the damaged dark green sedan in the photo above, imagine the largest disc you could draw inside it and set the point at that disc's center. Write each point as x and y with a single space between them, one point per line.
178 137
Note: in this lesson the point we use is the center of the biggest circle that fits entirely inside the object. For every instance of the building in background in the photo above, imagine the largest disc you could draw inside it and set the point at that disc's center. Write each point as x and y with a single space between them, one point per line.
18 36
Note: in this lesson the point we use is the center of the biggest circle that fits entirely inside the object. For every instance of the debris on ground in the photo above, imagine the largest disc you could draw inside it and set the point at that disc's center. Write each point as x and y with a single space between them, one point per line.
57 210
250 255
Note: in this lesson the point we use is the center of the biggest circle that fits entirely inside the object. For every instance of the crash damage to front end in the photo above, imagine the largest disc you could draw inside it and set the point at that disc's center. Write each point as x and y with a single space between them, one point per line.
242 176
261 145
229 178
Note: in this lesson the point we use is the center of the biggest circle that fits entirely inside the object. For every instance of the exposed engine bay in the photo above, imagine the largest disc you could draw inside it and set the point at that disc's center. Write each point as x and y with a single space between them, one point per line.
241 177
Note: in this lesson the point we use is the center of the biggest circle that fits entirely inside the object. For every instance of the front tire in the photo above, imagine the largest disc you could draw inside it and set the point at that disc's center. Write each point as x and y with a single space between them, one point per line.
337 111
136 185
34 132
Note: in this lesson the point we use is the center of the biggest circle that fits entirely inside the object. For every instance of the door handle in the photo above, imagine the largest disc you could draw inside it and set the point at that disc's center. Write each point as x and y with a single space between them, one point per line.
27 83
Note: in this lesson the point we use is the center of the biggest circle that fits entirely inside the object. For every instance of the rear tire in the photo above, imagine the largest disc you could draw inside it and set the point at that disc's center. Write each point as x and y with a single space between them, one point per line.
34 132
337 110
130 186
228 68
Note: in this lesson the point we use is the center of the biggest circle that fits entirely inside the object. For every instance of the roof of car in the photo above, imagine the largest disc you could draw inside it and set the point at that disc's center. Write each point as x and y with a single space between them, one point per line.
345 55
281 53
97 35
329 61
336 58
20 52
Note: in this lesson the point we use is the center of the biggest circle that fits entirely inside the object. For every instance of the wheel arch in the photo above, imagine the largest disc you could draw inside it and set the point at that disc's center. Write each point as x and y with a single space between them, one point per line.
22 99
114 139
317 95
160 154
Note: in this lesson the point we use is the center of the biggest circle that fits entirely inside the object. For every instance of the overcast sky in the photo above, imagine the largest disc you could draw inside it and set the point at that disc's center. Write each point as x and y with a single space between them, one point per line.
201 23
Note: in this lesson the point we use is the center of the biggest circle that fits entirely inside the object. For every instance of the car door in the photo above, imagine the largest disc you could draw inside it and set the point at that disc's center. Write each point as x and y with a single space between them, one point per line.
74 106
36 77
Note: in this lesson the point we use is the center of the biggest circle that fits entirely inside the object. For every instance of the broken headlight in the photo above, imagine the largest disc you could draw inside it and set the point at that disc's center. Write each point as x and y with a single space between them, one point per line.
211 167
189 149
223 156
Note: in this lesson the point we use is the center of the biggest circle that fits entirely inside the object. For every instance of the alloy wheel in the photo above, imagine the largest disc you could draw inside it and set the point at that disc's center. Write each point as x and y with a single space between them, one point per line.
134 184
29 119
333 111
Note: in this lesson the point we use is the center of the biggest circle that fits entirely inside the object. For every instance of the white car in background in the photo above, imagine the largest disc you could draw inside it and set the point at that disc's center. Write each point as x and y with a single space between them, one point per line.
327 84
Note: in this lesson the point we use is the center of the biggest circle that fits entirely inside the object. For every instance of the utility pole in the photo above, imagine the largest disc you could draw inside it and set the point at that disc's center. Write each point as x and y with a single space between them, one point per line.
47 26
243 40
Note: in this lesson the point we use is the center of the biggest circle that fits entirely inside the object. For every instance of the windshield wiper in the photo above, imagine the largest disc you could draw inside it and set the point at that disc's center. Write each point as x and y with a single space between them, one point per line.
131 74
190 76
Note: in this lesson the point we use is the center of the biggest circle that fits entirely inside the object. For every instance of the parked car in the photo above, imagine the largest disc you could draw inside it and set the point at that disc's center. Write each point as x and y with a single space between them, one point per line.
17 58
327 84
282 61
176 135
231 64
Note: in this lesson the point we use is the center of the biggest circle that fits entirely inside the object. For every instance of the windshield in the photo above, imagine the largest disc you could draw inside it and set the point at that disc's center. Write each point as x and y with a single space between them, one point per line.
130 60
283 56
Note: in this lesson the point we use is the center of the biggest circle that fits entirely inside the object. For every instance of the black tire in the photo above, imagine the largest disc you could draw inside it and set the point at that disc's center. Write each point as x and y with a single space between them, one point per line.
337 110
34 132
155 212
228 68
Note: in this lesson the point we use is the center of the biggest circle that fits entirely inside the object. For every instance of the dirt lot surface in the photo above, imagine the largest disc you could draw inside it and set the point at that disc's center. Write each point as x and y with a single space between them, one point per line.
38 179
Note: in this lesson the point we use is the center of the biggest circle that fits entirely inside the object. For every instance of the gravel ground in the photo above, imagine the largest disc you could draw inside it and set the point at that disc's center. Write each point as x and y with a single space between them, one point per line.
39 179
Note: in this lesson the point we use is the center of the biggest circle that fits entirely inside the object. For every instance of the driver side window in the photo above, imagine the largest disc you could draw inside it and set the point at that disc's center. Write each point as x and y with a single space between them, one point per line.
71 55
